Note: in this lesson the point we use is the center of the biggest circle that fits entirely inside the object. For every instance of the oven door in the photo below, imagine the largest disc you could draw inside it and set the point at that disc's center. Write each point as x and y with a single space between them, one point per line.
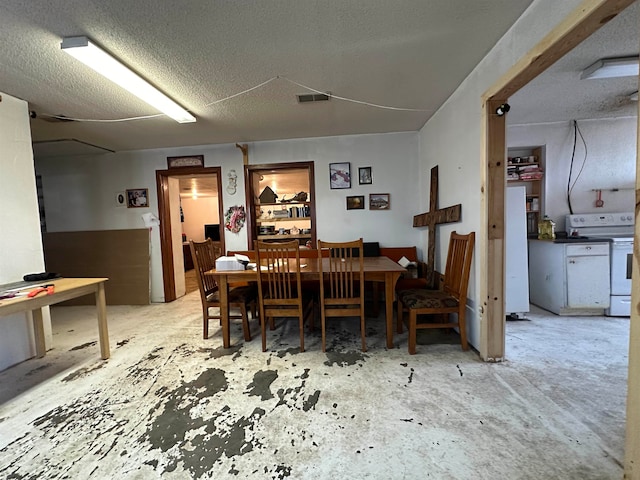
621 264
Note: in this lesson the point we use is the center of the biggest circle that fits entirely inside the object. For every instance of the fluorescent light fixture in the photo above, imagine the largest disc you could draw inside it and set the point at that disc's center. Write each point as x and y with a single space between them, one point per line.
88 53
612 68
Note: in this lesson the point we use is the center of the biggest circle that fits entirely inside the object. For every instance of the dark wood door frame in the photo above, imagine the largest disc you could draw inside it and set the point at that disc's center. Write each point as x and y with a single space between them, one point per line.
164 212
250 193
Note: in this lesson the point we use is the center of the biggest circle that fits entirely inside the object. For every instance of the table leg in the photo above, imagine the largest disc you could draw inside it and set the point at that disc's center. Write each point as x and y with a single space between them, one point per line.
223 289
103 331
38 332
389 283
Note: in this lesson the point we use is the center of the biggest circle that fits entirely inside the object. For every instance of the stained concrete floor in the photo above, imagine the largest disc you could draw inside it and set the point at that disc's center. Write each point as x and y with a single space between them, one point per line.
170 405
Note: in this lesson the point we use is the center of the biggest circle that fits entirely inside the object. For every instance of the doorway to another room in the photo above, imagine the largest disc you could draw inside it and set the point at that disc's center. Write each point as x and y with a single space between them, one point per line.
190 208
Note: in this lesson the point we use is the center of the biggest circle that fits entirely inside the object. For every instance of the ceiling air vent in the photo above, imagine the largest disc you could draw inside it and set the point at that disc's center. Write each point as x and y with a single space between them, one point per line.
314 97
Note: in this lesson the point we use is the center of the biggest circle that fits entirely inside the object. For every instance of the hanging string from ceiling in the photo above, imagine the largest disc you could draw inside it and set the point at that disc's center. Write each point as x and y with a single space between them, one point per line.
243 92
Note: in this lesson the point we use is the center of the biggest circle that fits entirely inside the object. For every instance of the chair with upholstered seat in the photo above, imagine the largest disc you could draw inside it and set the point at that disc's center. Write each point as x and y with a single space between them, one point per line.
342 284
204 256
450 298
280 291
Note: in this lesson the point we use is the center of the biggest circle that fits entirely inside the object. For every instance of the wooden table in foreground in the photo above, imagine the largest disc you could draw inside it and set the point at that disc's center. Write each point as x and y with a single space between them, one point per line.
376 269
65 289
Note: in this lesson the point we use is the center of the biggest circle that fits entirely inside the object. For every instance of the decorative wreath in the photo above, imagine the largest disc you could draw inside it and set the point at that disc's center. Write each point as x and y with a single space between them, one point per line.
234 218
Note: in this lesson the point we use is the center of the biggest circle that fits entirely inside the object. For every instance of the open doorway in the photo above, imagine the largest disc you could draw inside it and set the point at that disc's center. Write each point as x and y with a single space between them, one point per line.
189 207
579 25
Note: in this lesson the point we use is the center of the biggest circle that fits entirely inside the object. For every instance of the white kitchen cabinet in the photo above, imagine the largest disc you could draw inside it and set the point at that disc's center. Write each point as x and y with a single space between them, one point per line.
569 278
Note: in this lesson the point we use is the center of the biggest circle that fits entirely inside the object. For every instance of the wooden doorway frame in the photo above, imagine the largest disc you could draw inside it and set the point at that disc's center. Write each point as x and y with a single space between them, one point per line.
588 17
164 212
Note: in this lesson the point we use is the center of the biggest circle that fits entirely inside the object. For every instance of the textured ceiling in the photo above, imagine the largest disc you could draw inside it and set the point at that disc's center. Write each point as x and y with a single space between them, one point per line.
560 95
404 53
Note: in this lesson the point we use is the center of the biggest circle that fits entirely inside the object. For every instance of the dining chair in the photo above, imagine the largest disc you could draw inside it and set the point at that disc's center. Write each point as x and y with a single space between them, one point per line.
450 298
204 256
280 292
342 284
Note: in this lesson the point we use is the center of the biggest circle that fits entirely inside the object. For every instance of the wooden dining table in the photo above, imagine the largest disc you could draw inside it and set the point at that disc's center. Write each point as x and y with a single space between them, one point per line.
63 289
376 269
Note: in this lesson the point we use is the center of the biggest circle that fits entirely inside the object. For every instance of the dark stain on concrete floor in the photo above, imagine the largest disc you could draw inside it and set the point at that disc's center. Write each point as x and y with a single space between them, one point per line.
343 359
261 385
84 345
199 442
81 372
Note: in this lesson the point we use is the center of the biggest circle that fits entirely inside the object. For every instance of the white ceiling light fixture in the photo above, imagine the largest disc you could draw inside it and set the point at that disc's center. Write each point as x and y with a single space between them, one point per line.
612 68
88 53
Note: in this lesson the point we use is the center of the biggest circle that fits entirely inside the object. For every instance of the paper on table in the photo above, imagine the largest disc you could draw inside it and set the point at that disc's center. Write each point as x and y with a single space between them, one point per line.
242 258
405 262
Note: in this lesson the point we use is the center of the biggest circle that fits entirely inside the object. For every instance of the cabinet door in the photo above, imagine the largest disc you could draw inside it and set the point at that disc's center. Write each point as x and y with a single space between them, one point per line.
588 281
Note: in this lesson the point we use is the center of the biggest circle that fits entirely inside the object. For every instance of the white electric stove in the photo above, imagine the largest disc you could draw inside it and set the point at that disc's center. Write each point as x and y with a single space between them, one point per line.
618 228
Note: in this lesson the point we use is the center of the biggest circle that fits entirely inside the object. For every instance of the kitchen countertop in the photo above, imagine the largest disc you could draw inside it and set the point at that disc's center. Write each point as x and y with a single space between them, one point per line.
582 240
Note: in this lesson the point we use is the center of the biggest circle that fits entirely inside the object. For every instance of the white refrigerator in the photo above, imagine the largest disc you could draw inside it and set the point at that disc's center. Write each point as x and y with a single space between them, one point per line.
516 255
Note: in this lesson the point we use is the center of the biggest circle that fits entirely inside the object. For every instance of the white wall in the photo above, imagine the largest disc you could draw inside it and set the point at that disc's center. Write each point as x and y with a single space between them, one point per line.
393 158
198 212
610 164
452 137
20 240
80 192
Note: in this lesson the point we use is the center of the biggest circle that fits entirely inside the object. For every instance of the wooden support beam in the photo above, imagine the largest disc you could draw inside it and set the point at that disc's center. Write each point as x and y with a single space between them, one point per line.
245 153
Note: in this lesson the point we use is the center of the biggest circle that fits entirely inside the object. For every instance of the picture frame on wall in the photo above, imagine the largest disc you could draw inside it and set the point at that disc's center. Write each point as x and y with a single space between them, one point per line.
379 201
138 198
355 202
340 175
364 176
185 161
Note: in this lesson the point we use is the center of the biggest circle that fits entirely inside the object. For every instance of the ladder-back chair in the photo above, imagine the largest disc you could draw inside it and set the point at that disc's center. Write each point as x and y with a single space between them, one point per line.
342 284
280 290
450 298
204 256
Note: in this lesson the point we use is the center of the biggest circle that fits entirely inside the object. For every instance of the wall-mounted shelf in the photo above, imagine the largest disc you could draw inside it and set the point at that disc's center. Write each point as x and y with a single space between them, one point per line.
262 221
286 180
517 165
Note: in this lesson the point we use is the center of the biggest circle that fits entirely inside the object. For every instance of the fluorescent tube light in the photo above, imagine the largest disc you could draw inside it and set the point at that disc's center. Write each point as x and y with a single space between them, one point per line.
88 53
612 68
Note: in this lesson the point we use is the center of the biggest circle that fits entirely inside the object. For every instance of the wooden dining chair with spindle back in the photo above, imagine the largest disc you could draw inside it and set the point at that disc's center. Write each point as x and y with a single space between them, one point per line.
342 284
204 256
280 291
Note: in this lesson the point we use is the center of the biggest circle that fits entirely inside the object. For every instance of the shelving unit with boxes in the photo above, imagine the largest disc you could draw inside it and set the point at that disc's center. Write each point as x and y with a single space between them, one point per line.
281 202
525 166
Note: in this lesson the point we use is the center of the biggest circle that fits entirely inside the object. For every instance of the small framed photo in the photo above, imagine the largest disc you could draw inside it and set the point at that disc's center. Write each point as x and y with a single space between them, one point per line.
364 176
185 161
340 175
379 201
355 202
138 198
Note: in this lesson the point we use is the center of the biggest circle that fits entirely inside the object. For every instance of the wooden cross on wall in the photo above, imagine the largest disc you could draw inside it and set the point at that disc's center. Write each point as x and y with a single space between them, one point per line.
435 217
